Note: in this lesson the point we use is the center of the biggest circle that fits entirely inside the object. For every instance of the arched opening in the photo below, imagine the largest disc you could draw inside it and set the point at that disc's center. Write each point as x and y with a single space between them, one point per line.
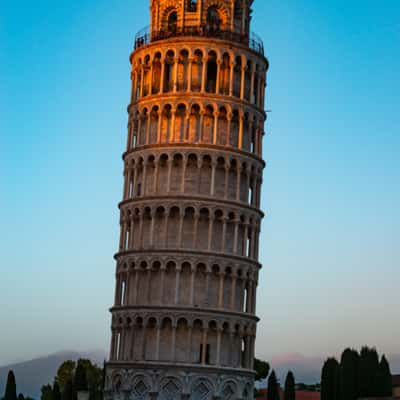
237 76
191 5
183 64
225 75
193 135
156 82
197 68
211 72
173 22
168 73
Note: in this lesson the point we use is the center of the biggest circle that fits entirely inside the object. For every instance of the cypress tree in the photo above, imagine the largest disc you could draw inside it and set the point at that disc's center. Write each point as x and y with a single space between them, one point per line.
273 387
11 387
21 397
56 391
367 372
290 391
330 380
349 375
384 387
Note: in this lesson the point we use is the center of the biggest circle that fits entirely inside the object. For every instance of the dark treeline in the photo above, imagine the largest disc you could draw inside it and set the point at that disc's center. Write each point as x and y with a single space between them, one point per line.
73 377
357 375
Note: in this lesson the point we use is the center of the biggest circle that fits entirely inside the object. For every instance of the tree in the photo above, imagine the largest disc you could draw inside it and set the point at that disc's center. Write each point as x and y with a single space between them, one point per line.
349 375
273 387
56 391
261 368
68 392
367 371
11 387
65 373
290 390
80 381
21 397
47 392
383 379
330 380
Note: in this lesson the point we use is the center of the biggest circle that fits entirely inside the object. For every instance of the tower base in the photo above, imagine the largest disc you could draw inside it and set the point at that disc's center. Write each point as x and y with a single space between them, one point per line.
153 381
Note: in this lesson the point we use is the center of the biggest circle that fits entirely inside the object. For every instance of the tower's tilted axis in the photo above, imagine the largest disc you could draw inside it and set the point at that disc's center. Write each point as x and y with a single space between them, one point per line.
183 322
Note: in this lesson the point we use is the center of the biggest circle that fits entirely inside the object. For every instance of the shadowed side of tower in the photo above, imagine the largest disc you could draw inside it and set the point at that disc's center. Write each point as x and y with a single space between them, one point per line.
183 320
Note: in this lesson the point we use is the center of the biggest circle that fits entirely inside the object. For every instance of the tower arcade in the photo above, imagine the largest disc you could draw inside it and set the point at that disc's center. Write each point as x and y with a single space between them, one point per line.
184 316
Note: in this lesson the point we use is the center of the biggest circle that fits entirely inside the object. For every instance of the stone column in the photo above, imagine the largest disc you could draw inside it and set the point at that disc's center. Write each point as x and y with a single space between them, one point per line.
195 226
239 173
141 81
162 283
236 236
160 114
158 342
228 129
176 66
192 277
218 358
231 79
203 75
144 176
136 283
243 82
180 227
169 164
166 213
215 130
218 80
210 232
240 141
221 290
162 77
177 284
155 179
252 79
233 292
173 119
153 220
189 83
226 184
213 170
204 345
184 164
223 236
173 341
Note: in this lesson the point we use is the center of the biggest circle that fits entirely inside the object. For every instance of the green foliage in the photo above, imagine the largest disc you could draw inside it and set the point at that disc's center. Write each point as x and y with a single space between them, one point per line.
349 375
273 387
65 373
261 368
290 390
21 397
330 380
46 392
11 387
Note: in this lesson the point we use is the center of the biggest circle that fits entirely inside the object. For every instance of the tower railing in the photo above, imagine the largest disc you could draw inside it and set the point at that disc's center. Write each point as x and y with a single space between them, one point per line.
144 37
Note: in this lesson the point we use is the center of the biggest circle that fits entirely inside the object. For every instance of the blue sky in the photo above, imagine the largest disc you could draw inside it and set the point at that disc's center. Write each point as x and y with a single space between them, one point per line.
330 239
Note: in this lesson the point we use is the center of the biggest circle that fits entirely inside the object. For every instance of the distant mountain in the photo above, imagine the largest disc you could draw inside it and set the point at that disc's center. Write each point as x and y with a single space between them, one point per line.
31 375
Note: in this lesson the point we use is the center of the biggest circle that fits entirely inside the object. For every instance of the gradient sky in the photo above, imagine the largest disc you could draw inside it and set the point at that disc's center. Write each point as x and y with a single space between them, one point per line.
330 240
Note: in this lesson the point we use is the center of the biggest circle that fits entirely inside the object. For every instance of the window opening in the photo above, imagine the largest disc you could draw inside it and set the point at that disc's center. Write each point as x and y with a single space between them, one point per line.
173 22
192 5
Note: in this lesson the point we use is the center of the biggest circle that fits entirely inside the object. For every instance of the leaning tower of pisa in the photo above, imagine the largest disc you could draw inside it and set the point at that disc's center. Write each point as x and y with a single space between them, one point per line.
184 318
